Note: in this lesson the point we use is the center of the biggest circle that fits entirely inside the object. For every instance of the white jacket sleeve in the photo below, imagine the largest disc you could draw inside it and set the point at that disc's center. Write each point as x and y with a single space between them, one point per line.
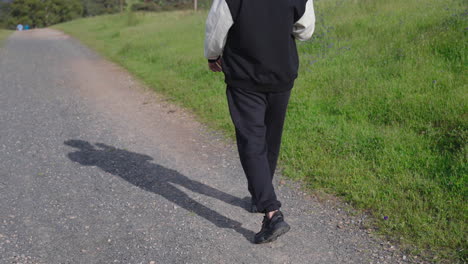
305 26
218 23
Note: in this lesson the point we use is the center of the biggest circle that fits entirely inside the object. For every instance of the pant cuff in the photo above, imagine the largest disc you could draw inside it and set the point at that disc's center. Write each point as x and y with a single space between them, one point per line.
270 207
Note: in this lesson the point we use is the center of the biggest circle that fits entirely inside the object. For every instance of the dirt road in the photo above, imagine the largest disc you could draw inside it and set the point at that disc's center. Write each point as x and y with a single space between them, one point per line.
95 168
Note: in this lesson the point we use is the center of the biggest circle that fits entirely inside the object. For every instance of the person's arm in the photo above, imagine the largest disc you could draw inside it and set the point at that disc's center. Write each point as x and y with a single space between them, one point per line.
304 27
218 23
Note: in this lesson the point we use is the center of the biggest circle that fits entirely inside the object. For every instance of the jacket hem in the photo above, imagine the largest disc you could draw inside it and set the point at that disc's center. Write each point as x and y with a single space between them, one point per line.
255 87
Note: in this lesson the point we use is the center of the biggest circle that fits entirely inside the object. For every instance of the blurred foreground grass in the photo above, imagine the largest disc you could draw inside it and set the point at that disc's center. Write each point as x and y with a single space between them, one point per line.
4 35
378 114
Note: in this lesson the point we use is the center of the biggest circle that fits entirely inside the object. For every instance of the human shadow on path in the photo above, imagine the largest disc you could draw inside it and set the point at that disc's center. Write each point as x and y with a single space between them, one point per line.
138 170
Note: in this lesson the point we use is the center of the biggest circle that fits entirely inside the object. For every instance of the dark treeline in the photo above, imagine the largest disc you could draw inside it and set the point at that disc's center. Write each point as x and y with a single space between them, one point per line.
161 5
42 13
100 7
165 5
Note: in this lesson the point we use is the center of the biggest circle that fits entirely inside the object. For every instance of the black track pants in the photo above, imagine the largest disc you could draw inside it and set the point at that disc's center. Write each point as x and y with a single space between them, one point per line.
258 118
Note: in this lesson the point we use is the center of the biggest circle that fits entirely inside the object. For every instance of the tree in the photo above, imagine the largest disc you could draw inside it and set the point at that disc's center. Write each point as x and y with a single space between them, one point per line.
4 14
99 7
41 13
162 5
27 12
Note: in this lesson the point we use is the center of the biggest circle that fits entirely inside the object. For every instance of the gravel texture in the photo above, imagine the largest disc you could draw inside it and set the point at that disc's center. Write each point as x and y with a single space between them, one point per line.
95 168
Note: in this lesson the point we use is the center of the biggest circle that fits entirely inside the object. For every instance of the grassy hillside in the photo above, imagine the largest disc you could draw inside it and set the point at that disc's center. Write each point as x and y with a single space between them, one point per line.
378 115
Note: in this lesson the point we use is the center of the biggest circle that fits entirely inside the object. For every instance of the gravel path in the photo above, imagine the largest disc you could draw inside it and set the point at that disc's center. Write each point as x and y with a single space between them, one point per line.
95 168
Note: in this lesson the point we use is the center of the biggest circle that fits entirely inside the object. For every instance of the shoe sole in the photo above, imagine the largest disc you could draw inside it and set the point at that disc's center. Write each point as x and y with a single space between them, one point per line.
278 232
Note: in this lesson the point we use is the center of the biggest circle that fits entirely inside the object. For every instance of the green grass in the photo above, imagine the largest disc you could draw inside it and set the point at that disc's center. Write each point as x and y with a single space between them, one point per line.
4 35
378 115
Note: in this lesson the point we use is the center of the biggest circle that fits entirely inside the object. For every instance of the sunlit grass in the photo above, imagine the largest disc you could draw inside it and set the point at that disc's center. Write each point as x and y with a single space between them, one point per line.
377 116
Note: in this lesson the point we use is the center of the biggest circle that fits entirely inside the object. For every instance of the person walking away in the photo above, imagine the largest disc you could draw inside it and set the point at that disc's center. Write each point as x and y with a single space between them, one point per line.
253 43
19 27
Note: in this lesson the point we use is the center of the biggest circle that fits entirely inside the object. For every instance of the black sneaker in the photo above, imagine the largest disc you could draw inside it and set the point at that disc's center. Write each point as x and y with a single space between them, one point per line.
253 206
272 228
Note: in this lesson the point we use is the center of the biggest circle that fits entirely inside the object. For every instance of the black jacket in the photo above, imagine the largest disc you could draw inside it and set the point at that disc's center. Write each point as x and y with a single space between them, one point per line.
256 39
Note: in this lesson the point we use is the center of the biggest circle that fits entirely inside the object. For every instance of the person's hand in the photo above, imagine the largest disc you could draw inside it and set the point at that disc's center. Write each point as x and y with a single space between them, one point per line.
215 66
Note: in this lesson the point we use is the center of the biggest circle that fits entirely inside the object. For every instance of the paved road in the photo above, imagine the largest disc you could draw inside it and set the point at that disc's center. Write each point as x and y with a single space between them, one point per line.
97 169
